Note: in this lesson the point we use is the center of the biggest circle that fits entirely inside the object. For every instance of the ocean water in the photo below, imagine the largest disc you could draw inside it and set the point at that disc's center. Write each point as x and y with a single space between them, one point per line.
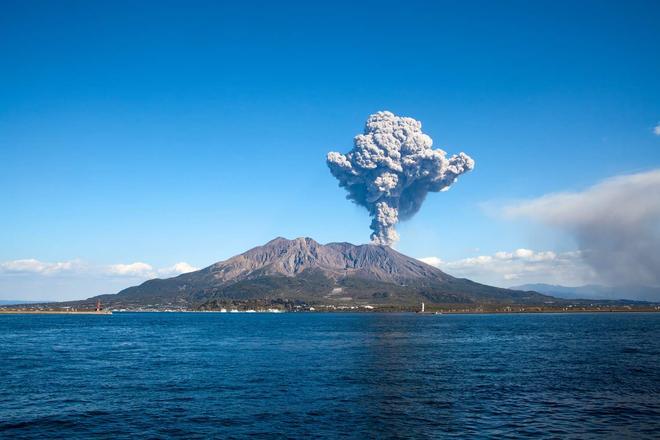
194 375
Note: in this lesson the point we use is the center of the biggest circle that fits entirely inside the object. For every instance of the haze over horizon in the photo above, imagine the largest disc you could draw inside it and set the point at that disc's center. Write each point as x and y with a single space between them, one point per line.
141 141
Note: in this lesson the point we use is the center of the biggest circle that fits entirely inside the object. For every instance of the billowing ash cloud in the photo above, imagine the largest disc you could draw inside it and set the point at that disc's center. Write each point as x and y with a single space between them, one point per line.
391 169
616 224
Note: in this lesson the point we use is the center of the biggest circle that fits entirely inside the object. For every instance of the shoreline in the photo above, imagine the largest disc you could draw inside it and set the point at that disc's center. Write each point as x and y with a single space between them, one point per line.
432 313
53 312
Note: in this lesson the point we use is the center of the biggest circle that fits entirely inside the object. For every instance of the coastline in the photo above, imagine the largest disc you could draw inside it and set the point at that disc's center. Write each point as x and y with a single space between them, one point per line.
428 313
53 312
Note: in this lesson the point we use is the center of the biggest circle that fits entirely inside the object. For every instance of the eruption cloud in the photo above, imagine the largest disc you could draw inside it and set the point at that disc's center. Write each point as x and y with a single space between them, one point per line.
391 169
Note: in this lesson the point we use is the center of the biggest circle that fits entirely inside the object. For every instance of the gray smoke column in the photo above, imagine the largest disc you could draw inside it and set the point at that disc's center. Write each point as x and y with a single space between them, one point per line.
391 169
616 224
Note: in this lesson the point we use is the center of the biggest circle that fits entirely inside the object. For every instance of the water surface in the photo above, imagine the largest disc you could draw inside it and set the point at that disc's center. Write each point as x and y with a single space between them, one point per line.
184 375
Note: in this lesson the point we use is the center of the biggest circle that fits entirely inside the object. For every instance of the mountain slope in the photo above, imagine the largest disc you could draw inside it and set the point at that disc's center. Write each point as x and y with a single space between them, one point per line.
306 271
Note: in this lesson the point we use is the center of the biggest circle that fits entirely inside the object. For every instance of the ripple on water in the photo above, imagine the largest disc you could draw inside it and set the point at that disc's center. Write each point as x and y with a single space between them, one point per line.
330 375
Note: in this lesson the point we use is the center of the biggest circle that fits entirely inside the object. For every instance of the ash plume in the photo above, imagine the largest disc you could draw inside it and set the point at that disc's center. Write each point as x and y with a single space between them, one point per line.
391 169
615 223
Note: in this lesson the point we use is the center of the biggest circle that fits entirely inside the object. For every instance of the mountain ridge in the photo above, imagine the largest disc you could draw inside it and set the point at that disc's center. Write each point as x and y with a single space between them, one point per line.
302 270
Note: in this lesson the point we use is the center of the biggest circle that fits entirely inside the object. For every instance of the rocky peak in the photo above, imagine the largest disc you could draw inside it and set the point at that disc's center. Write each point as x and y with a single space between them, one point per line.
292 257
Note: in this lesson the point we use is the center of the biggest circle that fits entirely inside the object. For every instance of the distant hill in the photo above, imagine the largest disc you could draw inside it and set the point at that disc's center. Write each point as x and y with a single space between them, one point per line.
11 302
639 293
306 271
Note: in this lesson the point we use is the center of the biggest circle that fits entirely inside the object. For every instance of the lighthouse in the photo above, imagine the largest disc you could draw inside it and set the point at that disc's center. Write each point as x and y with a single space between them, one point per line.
422 308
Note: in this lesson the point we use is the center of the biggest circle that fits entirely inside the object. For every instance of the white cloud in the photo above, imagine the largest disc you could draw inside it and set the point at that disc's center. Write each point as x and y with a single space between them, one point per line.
34 266
177 269
656 129
520 266
433 261
144 270
137 269
32 279
616 224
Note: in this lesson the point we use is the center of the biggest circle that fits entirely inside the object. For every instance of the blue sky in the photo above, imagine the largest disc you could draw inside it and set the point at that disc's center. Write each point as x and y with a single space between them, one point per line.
166 132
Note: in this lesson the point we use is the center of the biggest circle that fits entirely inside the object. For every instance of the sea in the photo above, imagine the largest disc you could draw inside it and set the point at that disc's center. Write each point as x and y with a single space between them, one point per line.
330 375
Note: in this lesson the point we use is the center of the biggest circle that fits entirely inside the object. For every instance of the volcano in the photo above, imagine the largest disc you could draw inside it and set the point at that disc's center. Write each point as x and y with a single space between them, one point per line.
304 271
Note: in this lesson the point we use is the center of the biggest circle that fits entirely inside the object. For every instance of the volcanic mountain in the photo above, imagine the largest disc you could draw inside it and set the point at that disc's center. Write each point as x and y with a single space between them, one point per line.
303 270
